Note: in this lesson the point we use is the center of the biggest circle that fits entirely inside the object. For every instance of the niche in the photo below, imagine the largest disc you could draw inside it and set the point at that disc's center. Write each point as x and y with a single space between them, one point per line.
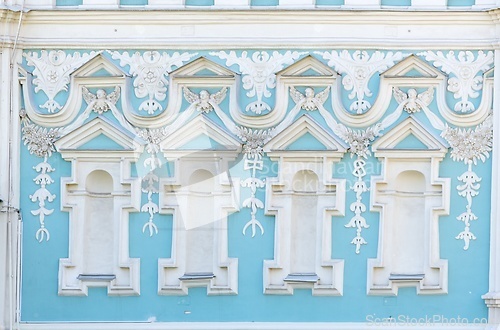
303 222
200 203
99 196
304 198
98 241
200 235
410 196
409 227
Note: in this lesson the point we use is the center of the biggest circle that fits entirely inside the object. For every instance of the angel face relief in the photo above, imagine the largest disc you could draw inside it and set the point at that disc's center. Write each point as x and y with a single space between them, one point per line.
100 102
309 101
413 102
204 101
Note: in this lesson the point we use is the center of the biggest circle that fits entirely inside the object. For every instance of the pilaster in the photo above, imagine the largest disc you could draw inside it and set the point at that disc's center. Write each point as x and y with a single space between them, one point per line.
492 298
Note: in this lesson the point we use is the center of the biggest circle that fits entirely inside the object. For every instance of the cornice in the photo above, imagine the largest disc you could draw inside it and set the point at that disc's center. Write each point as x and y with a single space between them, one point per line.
238 29
495 15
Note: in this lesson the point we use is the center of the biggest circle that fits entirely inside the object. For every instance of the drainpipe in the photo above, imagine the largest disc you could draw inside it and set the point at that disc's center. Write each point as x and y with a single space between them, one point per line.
13 229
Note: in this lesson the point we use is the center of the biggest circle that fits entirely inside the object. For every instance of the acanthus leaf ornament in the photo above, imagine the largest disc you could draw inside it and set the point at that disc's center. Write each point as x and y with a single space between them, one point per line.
40 142
253 141
204 101
359 142
150 182
357 70
465 67
469 145
359 187
150 71
259 73
52 73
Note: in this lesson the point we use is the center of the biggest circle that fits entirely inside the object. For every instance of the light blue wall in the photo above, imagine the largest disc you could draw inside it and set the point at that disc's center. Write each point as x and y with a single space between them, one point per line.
468 270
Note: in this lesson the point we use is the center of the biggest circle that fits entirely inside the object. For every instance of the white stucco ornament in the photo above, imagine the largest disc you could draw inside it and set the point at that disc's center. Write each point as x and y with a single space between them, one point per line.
253 141
309 100
469 146
359 140
100 102
259 73
150 71
412 101
357 70
150 181
204 101
52 72
40 142
465 67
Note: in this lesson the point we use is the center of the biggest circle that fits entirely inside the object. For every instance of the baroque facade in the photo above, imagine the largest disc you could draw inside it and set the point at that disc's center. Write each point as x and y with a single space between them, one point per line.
300 164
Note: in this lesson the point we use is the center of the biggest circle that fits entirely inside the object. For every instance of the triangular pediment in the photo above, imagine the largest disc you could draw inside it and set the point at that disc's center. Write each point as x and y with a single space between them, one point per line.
200 134
202 67
101 142
413 67
102 133
296 137
410 134
99 66
411 142
307 67
204 142
306 141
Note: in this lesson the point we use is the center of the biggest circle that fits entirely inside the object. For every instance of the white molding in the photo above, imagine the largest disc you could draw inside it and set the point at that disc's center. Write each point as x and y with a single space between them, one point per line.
177 198
100 4
362 3
429 4
306 28
232 3
305 124
396 76
280 192
81 77
39 4
165 3
384 194
69 144
269 68
126 198
293 75
297 3
5 302
199 126
485 4
492 298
